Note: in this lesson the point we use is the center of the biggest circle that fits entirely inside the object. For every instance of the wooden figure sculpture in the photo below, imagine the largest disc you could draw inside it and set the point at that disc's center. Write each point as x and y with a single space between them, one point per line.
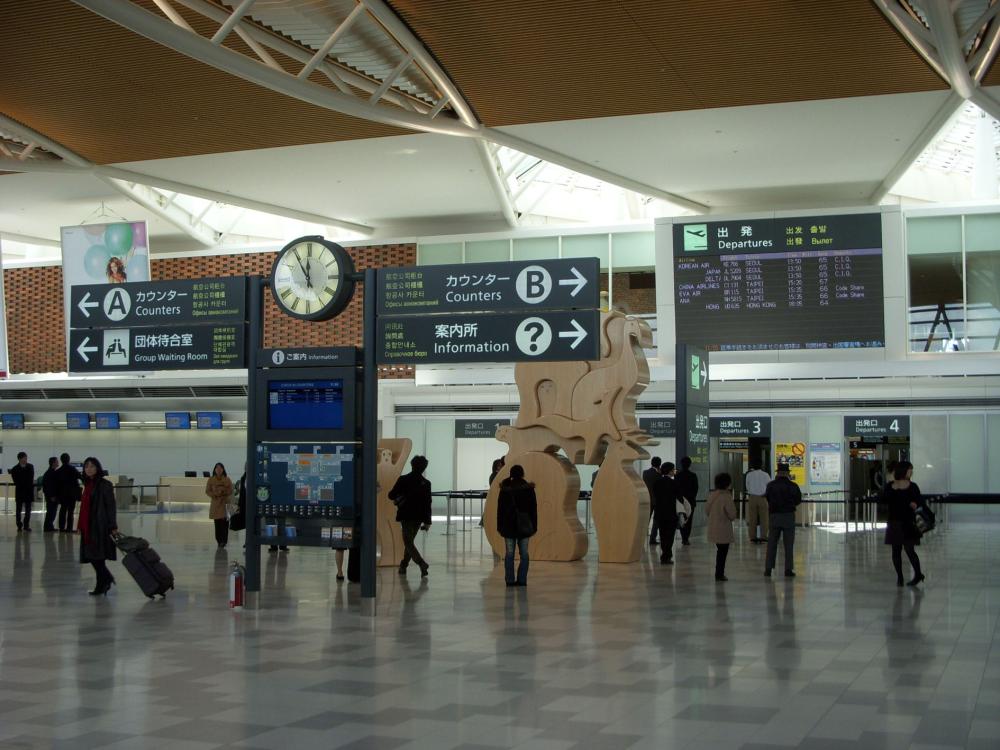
586 410
392 455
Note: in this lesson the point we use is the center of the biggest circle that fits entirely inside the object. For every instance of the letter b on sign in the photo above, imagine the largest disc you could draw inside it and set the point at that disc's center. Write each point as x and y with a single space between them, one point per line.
533 285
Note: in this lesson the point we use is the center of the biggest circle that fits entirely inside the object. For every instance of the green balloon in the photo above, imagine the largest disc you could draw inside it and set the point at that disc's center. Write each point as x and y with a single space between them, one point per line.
118 238
95 261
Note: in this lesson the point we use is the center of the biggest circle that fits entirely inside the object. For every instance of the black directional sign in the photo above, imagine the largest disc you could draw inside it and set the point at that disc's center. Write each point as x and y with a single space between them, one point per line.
471 287
501 337
158 303
163 348
740 427
478 428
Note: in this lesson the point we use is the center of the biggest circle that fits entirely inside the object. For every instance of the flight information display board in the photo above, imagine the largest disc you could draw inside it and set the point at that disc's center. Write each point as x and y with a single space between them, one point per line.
807 282
305 404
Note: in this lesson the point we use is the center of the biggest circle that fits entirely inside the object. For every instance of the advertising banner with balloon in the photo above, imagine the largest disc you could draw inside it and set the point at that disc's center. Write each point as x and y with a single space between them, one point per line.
103 254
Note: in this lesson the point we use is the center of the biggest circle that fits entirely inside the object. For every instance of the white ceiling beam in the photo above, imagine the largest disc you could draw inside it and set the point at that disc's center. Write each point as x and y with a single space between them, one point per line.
155 203
949 48
503 196
230 23
28 239
163 32
951 106
915 34
331 40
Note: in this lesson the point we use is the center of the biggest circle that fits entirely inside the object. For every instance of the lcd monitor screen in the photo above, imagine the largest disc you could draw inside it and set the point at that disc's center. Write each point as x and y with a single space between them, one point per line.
12 421
178 420
305 404
806 282
209 420
77 420
108 420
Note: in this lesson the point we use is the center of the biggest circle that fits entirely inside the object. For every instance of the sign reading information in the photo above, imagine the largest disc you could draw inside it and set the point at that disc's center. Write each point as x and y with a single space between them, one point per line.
472 287
503 337
162 348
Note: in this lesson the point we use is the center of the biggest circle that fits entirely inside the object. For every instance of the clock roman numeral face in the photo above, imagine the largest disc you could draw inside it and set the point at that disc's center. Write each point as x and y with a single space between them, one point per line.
306 278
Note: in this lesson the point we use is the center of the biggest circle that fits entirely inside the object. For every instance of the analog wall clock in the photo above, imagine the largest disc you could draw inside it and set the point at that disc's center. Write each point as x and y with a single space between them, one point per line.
312 278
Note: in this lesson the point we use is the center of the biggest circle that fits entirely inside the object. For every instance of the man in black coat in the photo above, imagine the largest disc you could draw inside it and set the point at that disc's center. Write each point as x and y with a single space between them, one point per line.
412 495
687 487
22 474
783 497
50 488
68 481
665 511
649 476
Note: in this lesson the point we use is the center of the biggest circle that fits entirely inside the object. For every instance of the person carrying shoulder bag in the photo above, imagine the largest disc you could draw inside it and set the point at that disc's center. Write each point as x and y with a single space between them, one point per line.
517 521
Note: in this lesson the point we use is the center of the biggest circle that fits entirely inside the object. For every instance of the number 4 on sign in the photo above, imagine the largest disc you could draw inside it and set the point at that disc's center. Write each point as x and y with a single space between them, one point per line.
894 425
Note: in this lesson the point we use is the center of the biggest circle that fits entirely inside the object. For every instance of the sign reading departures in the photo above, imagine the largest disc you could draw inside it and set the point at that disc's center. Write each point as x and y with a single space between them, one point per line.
474 287
893 425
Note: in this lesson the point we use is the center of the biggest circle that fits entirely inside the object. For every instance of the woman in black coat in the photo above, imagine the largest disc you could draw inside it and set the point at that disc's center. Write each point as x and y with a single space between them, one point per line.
517 521
97 523
903 498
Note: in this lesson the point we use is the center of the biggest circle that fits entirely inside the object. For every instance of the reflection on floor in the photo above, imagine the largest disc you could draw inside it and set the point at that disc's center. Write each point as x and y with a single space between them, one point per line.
588 656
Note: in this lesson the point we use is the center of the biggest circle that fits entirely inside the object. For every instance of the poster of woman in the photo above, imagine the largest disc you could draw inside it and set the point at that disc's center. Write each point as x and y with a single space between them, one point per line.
104 254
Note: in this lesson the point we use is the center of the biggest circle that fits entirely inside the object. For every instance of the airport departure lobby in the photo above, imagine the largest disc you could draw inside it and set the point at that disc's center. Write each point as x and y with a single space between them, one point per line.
463 375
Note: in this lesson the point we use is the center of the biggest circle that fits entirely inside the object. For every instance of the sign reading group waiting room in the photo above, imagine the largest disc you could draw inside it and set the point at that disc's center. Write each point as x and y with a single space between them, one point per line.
471 287
805 282
162 348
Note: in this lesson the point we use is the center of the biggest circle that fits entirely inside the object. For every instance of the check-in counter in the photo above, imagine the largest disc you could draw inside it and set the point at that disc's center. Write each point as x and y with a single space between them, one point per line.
7 486
182 490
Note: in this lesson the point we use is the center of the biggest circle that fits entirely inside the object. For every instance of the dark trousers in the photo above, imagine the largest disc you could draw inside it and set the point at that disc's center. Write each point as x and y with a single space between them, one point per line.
410 529
221 531
911 555
668 529
51 509
508 560
22 507
782 525
686 528
66 509
104 577
721 553
652 526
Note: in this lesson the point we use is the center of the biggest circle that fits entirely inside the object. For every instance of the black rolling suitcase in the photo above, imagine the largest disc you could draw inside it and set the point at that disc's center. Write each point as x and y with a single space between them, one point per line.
145 566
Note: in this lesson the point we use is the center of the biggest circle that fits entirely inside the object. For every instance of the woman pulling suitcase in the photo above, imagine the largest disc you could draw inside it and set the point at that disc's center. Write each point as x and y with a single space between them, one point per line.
98 522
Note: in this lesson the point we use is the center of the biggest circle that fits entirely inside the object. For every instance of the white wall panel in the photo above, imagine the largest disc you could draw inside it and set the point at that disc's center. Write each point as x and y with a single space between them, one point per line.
967 449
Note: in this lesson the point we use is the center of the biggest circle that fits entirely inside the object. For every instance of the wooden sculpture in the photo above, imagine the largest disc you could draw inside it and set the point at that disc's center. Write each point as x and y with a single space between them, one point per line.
392 455
587 411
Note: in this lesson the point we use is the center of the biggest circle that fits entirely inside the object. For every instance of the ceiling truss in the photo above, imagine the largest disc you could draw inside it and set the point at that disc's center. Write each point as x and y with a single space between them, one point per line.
436 108
959 40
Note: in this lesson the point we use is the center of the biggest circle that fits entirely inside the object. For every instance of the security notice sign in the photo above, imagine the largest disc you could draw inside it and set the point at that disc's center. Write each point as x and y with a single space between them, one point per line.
157 303
470 287
163 348
501 337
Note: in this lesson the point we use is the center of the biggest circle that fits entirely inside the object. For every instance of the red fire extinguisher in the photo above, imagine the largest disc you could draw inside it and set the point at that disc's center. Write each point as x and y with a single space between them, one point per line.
237 586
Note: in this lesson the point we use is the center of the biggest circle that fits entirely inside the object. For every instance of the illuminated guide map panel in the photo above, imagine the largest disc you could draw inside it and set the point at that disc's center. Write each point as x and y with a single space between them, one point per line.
806 282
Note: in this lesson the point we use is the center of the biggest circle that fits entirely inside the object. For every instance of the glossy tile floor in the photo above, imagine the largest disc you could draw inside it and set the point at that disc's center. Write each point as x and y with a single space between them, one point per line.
588 656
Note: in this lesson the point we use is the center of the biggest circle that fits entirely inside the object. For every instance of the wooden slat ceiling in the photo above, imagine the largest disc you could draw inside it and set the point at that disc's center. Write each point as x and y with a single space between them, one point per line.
520 61
114 96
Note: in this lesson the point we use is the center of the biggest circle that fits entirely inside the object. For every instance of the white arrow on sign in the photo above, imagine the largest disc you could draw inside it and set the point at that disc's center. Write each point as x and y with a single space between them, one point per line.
83 349
579 334
579 282
704 374
84 304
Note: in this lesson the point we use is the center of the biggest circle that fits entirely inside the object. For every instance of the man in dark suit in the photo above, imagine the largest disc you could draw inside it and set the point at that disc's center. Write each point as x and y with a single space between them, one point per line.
665 511
22 474
649 476
687 487
783 497
68 491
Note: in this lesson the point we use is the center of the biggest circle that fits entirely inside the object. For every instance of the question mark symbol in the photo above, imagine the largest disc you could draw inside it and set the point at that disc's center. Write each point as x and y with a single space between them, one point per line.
534 333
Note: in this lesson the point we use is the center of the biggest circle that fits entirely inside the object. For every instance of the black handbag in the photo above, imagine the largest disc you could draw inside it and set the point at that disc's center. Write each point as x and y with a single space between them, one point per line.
525 526
924 519
238 521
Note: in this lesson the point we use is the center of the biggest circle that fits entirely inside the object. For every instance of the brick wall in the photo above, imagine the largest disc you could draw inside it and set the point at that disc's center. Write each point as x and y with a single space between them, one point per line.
36 340
634 292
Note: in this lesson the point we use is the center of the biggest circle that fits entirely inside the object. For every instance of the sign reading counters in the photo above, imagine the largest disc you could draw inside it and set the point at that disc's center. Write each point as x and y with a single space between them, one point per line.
473 287
806 282
501 337
168 348
155 303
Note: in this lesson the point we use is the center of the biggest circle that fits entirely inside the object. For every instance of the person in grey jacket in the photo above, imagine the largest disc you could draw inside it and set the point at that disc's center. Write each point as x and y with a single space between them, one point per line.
783 497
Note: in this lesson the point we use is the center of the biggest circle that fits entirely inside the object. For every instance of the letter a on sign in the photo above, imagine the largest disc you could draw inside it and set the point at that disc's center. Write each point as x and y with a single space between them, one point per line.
117 304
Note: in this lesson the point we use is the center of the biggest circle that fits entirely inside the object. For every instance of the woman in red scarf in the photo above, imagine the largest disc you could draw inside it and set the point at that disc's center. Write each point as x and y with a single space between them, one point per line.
97 524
